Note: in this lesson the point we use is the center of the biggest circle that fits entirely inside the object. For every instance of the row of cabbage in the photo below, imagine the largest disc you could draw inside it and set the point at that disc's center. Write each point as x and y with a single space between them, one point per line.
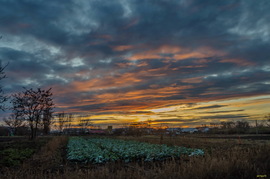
101 150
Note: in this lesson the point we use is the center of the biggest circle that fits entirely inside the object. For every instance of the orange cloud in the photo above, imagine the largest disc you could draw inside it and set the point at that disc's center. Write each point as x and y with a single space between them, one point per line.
155 53
141 94
175 53
192 80
239 62
122 47
106 82
105 36
140 99
142 64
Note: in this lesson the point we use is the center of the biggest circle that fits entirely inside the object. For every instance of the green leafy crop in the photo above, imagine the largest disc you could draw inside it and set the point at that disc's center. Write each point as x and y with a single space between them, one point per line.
97 150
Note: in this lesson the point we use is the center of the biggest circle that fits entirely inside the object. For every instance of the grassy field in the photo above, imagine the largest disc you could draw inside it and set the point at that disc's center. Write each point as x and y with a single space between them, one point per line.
15 150
225 157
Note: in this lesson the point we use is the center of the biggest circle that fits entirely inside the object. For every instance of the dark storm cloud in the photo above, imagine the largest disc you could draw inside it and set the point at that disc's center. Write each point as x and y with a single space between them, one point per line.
240 116
148 52
95 119
139 112
216 112
179 19
92 107
175 120
209 107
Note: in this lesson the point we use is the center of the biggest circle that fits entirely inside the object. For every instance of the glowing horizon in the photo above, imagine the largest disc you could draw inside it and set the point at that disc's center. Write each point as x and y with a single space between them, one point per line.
176 63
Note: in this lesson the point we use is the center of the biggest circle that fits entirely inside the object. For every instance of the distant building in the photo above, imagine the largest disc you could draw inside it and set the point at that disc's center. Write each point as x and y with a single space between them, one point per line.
176 131
55 132
96 131
76 131
120 131
203 129
189 130
82 131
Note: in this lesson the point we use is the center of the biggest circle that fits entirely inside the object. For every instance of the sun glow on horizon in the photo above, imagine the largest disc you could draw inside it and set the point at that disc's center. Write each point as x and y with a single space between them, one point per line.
247 108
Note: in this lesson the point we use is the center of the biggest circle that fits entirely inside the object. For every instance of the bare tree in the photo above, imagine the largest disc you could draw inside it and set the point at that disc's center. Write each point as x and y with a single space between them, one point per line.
84 123
61 120
242 124
215 125
64 121
227 125
267 119
3 98
33 106
47 111
14 122
69 120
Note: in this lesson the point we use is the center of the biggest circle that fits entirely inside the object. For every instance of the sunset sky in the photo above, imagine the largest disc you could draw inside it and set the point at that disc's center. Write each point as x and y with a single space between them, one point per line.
180 63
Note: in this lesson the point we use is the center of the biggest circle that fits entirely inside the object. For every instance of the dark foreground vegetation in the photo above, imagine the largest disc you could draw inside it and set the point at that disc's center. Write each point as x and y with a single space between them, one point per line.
240 157
15 150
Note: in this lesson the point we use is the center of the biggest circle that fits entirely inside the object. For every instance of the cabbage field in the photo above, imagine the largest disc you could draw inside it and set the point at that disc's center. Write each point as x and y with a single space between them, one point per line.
102 150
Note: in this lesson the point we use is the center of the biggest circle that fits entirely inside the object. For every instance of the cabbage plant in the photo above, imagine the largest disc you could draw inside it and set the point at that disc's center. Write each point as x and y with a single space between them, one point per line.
102 150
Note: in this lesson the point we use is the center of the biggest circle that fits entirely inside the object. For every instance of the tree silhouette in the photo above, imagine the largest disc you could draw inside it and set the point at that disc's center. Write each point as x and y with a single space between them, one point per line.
14 122
47 114
34 106
69 121
242 124
3 98
61 120
227 125
84 123
267 119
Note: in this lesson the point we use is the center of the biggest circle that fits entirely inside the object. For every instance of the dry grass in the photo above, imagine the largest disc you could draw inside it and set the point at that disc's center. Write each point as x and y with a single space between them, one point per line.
224 158
48 159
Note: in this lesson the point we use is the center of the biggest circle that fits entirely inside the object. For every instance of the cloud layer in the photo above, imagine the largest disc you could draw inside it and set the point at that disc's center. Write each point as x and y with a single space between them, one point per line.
120 56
